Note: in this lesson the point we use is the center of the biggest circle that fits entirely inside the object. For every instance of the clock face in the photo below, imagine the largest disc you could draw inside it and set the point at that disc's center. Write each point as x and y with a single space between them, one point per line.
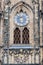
21 19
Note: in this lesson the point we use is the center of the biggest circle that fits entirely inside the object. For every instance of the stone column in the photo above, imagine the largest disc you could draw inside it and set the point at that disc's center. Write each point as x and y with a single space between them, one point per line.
6 27
5 58
42 22
33 57
42 31
36 24
0 22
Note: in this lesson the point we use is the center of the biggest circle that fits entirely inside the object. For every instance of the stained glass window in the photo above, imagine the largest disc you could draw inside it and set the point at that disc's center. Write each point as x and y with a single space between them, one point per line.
16 36
25 36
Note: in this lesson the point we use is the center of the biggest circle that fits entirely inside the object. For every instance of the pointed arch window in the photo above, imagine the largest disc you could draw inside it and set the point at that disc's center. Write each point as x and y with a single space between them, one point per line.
16 36
25 36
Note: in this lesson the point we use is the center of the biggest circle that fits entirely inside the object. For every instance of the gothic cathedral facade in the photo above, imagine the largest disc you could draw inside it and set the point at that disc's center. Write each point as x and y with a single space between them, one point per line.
21 32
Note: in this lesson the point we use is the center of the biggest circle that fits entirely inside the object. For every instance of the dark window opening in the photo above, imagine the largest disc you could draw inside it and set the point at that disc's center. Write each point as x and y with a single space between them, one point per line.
25 36
16 36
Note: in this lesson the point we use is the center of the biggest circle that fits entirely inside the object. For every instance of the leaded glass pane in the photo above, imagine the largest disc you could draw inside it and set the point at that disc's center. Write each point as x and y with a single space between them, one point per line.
25 36
16 36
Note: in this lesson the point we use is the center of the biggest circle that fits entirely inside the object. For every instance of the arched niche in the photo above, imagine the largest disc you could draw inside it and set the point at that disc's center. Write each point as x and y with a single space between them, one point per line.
16 9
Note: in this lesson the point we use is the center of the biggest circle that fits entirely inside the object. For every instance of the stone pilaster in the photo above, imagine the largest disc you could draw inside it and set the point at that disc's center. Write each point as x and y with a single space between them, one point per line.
6 25
42 22
42 31
36 23
36 26
6 28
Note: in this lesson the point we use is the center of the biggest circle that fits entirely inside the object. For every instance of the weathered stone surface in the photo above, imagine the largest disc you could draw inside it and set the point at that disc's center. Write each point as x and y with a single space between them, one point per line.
30 35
